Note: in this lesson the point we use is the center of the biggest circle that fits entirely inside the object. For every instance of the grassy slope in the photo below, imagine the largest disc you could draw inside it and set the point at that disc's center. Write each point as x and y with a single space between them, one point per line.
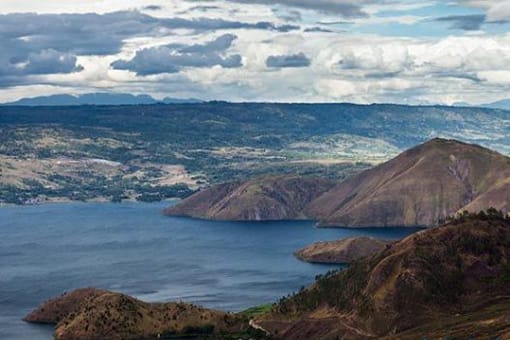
436 282
268 198
419 187
93 314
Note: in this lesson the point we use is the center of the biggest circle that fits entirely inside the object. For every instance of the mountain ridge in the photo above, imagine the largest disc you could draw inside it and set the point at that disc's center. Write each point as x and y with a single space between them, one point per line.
97 98
419 187
265 199
449 281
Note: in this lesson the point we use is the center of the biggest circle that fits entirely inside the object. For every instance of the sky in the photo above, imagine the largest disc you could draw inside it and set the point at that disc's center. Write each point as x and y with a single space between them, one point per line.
360 51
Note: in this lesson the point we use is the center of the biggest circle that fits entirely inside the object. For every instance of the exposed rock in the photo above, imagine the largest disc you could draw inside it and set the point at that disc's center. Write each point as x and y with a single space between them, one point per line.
342 251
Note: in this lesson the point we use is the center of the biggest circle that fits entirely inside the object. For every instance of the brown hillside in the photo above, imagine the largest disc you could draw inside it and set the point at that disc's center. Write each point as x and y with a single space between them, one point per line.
342 251
263 199
419 187
54 310
452 280
99 314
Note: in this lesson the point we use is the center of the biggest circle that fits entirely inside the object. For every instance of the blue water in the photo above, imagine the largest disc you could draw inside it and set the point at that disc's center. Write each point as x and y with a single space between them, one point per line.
132 248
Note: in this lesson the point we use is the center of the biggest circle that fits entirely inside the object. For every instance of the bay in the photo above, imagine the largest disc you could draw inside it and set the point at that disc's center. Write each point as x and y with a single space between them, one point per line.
132 248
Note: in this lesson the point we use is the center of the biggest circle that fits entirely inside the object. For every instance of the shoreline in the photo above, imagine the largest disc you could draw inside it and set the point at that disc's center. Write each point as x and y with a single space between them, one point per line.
64 200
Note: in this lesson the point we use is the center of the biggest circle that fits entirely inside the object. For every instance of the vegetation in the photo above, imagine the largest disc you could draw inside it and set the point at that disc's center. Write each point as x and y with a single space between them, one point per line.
113 190
451 280
211 142
341 289
257 310
491 214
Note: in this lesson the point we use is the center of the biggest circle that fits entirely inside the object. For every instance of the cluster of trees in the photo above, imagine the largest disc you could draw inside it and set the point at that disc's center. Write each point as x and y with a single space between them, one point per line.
491 214
115 191
440 263
338 288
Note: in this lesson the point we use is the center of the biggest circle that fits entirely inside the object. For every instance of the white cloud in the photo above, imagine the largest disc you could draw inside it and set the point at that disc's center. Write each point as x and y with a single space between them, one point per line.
499 77
344 66
499 11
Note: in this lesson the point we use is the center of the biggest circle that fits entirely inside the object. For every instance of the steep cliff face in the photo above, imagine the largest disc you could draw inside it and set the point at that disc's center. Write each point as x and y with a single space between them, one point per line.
452 280
264 199
419 187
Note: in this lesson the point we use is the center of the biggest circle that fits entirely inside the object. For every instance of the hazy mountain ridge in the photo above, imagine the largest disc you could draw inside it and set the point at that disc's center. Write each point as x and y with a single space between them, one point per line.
100 98
501 104
110 98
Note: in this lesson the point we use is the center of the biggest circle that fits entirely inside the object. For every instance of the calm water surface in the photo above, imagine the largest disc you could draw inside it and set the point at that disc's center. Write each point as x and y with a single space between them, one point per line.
132 248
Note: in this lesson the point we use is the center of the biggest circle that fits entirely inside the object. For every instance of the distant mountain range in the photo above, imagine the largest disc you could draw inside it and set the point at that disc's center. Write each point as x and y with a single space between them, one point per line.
98 99
501 104
103 98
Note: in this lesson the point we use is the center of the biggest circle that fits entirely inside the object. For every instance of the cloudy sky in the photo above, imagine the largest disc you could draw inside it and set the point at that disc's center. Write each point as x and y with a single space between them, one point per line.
362 51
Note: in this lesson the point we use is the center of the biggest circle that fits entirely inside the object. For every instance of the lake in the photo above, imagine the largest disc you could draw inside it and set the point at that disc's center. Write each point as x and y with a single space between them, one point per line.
132 248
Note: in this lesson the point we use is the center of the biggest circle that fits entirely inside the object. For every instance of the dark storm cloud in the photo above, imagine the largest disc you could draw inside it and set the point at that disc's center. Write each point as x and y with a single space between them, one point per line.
221 43
344 8
50 61
174 57
464 22
458 75
203 8
153 8
318 30
95 34
49 43
295 60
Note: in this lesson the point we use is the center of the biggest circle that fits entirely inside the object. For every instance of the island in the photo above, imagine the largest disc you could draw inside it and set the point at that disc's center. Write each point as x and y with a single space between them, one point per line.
343 251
